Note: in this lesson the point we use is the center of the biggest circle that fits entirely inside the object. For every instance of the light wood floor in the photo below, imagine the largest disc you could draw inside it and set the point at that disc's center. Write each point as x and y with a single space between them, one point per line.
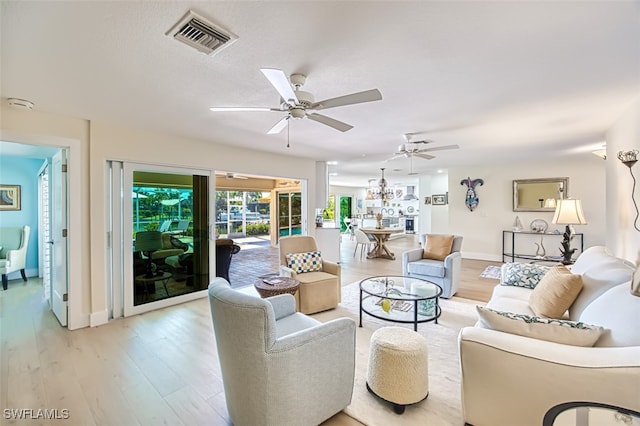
155 368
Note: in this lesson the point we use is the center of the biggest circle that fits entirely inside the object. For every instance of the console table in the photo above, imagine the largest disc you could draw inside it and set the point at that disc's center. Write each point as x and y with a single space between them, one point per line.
513 245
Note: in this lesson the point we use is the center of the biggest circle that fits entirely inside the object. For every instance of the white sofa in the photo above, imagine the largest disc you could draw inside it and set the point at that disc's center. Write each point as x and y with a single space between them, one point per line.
509 379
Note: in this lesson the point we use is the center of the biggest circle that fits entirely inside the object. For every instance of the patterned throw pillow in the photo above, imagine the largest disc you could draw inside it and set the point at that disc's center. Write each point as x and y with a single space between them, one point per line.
304 262
526 275
552 330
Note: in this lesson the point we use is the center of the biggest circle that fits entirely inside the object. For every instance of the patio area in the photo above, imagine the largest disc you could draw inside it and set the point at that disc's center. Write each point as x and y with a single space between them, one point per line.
255 258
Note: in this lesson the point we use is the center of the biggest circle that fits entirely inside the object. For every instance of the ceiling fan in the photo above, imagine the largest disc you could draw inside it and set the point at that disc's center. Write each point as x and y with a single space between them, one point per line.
297 103
416 148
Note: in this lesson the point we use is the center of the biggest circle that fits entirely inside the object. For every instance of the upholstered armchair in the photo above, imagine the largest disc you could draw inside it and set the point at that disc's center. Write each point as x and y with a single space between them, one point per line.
280 367
319 289
13 252
445 273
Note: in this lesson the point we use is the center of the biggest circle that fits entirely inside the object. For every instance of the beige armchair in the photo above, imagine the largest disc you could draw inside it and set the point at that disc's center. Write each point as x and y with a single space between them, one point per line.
13 252
319 290
280 367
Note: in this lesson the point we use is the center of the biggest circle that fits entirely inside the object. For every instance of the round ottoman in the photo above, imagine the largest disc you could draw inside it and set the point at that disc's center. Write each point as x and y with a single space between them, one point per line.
398 367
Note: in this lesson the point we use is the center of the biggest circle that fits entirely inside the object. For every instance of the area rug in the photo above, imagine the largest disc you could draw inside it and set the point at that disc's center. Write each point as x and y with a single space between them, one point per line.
491 272
443 406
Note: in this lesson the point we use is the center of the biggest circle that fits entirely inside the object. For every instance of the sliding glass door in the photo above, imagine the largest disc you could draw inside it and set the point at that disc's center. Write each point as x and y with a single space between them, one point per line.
165 230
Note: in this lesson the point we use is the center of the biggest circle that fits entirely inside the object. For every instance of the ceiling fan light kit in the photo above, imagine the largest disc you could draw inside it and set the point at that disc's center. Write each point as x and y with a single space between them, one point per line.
297 103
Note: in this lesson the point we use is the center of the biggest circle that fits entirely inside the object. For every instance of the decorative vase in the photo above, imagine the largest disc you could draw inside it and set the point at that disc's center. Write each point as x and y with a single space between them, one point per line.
517 225
540 250
425 307
379 221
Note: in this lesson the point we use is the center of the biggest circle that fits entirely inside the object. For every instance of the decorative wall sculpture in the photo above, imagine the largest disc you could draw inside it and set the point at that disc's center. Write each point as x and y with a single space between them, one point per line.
472 197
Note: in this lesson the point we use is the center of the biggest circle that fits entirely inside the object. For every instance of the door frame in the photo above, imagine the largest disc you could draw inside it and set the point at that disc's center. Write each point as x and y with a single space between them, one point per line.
129 167
77 316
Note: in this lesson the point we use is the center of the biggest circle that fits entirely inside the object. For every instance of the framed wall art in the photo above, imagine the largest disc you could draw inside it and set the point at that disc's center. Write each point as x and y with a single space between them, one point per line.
439 199
427 200
9 197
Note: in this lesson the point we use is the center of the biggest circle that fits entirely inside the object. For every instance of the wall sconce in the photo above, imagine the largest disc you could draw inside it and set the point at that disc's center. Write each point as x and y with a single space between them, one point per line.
629 158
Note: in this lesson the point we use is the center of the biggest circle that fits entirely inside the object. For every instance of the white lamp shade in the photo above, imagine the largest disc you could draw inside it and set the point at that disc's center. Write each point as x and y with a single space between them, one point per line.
569 212
550 203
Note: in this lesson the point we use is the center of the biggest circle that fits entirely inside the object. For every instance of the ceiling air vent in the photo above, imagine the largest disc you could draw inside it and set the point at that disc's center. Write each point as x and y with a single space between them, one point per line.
201 34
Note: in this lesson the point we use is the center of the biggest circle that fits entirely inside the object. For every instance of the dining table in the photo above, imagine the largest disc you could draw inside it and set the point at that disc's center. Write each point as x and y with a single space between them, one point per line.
381 236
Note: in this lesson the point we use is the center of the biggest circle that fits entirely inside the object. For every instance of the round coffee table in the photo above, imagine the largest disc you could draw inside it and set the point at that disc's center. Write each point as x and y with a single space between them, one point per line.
273 286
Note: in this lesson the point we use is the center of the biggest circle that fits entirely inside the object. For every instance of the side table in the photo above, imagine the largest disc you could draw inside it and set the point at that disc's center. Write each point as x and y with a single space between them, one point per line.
273 286
143 280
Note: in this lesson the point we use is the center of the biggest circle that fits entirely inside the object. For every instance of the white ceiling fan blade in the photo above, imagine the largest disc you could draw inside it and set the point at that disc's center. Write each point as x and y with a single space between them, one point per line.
439 148
399 155
280 82
331 122
277 128
233 109
425 156
354 98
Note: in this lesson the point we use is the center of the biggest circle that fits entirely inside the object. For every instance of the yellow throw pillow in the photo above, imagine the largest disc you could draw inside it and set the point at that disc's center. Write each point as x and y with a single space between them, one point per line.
437 247
556 291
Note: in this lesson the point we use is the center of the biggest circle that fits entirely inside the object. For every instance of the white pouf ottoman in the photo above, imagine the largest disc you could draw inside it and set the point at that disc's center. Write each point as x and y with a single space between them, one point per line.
398 369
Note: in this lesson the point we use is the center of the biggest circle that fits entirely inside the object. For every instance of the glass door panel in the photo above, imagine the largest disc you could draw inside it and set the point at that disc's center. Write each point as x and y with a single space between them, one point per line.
289 213
170 243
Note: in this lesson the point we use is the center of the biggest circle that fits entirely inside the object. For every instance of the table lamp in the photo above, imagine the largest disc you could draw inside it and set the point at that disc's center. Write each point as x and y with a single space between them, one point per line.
568 212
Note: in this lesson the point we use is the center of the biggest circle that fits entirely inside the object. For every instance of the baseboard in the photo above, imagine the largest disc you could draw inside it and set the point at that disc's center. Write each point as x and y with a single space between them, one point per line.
98 318
481 256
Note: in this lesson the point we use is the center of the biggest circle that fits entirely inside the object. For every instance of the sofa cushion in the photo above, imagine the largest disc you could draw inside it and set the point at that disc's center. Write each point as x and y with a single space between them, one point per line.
552 330
618 311
600 271
555 293
431 268
511 299
437 247
526 275
310 261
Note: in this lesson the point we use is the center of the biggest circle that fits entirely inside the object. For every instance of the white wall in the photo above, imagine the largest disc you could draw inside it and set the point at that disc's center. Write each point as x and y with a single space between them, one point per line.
482 228
39 128
622 239
99 142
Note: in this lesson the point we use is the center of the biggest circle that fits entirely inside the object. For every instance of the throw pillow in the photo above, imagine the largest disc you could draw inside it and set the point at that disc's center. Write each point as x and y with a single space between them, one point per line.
437 247
555 293
549 329
304 262
526 275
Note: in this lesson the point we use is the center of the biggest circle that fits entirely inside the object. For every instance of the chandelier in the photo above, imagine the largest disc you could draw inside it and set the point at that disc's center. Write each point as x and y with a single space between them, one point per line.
381 192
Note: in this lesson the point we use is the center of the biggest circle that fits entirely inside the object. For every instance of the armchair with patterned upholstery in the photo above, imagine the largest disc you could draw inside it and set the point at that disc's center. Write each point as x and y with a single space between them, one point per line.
279 366
319 278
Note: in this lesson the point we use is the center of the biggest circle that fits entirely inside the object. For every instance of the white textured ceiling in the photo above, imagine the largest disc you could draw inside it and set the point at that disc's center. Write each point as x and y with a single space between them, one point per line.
504 80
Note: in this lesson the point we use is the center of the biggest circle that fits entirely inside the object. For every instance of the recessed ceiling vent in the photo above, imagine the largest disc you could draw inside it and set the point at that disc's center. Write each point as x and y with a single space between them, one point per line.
201 34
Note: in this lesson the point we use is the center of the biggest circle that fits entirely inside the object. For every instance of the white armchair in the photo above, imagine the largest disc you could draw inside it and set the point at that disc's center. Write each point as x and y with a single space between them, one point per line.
445 273
280 367
13 252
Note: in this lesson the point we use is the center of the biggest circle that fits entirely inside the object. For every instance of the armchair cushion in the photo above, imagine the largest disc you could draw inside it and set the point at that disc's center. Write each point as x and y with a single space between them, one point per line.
552 330
437 247
555 293
432 268
304 262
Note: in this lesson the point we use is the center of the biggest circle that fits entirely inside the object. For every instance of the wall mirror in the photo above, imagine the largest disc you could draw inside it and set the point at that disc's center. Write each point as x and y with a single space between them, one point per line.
539 195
